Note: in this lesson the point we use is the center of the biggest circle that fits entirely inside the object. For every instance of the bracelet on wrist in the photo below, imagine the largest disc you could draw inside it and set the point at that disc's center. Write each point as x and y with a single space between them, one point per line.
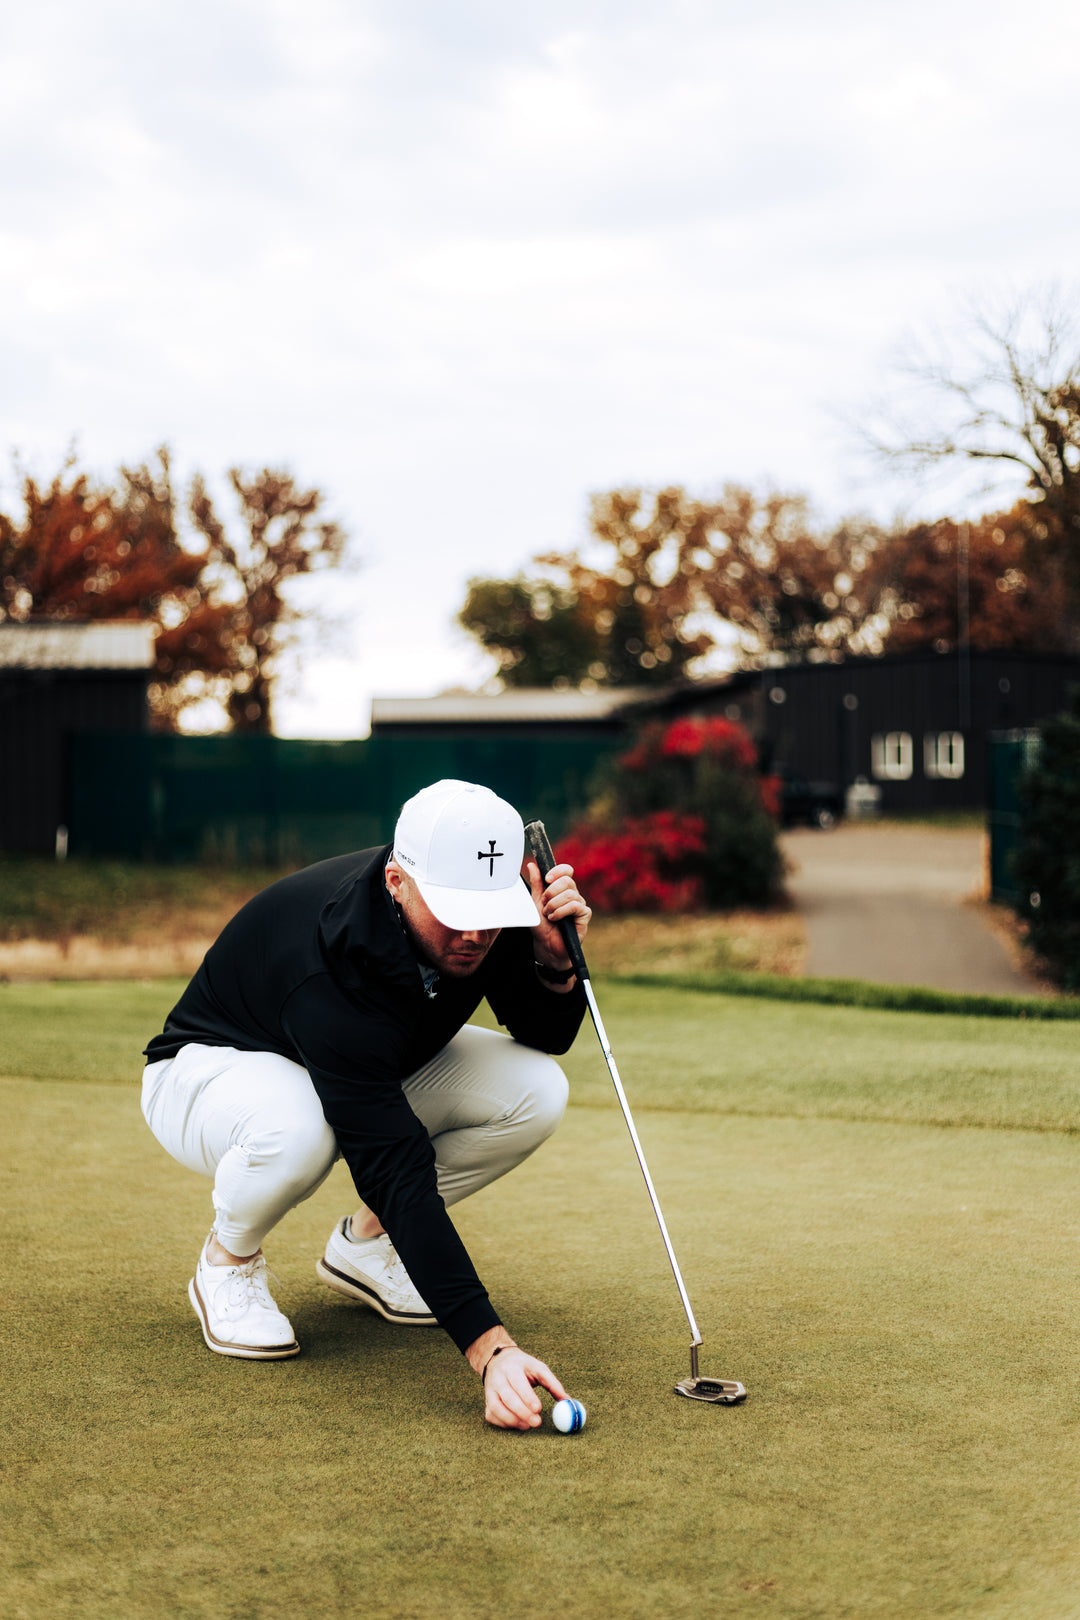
553 975
498 1350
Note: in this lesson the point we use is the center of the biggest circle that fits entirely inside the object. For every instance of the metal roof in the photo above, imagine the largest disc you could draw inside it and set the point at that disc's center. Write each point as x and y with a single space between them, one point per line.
105 644
518 704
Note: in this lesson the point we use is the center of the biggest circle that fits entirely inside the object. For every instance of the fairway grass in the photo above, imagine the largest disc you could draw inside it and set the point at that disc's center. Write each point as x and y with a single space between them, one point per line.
877 1216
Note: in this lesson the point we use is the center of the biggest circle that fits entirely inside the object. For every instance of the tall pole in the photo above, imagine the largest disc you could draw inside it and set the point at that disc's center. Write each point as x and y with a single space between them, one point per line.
963 626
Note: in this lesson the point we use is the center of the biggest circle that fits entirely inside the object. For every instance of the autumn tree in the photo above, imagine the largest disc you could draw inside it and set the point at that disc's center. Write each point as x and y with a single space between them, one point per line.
246 578
86 551
754 570
1008 402
90 551
83 552
946 583
668 578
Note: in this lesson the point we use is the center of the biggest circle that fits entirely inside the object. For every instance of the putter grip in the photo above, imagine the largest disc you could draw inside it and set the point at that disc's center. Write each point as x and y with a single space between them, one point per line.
542 853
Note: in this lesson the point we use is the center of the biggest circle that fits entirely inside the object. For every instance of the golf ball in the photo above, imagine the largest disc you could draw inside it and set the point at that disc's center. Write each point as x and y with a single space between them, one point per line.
568 1416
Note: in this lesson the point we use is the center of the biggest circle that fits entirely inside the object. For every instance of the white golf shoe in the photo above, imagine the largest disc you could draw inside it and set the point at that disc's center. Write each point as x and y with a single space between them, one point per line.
371 1273
237 1315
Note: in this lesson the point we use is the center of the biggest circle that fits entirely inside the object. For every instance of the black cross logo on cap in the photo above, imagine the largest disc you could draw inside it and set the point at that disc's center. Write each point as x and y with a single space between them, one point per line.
492 855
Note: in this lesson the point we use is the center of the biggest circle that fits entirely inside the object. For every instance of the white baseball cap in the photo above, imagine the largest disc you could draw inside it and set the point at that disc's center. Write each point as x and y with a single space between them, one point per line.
462 846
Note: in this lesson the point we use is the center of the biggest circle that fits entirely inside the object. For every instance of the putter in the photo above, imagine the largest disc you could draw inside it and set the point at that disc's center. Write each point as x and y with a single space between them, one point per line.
718 1391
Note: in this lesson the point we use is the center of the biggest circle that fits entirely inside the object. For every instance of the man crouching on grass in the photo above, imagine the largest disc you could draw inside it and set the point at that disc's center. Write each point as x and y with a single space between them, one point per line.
330 1019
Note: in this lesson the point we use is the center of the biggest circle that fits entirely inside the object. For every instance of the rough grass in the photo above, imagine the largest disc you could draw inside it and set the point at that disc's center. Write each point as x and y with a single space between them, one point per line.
116 919
900 1299
119 901
772 940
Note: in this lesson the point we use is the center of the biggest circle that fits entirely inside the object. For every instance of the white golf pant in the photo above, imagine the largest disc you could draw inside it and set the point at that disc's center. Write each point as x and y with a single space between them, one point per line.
253 1122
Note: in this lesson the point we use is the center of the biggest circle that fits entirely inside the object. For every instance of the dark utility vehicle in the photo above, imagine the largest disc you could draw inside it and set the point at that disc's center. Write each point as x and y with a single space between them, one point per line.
812 804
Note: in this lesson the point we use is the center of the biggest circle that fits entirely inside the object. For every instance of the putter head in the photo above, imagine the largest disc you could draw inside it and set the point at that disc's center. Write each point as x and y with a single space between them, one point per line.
719 1391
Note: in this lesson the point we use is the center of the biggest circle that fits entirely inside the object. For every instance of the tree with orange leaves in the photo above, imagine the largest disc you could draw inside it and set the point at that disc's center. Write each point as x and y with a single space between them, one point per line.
674 577
283 538
86 551
757 565
939 584
670 578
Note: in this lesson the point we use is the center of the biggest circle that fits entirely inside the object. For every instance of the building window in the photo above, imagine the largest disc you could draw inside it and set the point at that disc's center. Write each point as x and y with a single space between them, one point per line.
891 755
943 755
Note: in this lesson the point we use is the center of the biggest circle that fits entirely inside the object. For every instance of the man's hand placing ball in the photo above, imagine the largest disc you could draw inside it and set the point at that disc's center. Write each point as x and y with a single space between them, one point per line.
510 1375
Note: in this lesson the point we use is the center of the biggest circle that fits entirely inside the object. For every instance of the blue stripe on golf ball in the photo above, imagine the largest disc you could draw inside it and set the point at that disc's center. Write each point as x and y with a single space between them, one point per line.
568 1416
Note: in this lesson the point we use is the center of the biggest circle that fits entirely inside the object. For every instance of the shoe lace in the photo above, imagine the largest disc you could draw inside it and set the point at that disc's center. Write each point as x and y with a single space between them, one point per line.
393 1279
395 1272
250 1286
397 1280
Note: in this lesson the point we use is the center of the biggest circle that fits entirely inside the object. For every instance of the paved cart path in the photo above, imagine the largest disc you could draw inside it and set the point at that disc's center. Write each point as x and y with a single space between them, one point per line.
888 904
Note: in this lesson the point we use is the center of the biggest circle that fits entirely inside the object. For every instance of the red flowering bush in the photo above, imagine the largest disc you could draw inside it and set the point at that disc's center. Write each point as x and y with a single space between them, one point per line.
686 821
642 866
772 788
722 739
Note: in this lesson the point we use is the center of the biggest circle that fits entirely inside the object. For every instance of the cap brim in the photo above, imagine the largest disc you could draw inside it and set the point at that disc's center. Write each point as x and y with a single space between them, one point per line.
466 909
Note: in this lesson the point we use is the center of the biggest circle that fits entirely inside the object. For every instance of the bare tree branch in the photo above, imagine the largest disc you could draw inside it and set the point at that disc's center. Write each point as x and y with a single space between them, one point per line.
1002 392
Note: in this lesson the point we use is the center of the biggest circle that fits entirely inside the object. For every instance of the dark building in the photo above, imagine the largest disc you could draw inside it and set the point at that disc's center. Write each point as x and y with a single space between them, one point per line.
913 725
908 730
57 680
539 712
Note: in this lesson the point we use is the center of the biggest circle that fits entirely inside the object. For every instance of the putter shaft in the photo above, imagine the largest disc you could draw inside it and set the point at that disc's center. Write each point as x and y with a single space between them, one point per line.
605 1045
717 1391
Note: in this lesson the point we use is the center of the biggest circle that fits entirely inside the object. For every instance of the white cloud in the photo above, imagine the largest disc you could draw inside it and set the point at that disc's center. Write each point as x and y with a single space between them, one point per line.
462 265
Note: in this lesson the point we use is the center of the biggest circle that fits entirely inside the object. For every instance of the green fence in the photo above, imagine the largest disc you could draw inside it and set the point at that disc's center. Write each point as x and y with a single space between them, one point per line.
272 801
1011 753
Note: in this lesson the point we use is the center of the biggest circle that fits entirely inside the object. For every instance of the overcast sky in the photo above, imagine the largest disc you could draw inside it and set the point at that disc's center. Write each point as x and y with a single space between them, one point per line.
461 264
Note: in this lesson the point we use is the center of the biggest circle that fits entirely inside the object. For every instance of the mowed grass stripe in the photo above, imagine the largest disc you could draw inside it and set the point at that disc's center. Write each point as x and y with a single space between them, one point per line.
682 1051
82 1030
677 1051
901 1304
863 993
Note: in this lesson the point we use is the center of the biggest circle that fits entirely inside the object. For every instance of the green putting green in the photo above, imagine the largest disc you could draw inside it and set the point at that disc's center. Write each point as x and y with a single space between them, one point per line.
899 1298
